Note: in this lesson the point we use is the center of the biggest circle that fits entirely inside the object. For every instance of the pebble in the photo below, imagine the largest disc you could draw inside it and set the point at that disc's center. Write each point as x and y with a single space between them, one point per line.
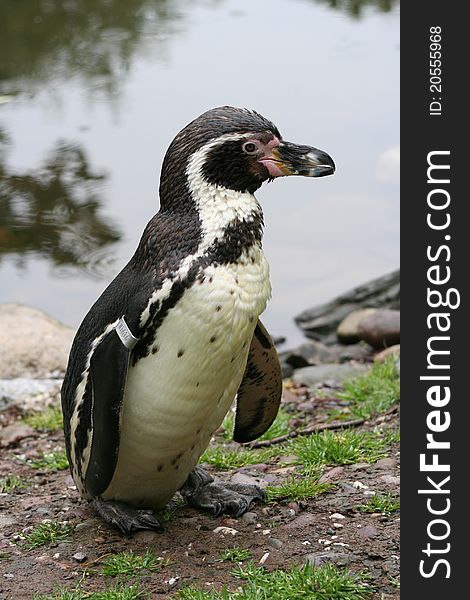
368 531
318 558
250 518
337 516
387 463
264 558
391 351
332 475
225 530
12 434
80 557
381 329
336 373
275 543
348 330
390 479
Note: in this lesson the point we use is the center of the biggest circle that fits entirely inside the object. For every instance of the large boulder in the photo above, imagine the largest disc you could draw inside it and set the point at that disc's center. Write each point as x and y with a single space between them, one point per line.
321 322
32 344
380 329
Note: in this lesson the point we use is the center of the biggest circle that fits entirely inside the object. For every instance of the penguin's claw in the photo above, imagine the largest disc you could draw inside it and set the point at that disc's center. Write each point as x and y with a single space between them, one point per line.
232 498
126 518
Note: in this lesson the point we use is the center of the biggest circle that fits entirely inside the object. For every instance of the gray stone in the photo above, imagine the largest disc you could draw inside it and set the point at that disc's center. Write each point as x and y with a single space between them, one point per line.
248 480
32 344
80 557
369 531
275 543
390 480
332 475
381 329
311 376
12 434
386 463
318 558
310 352
6 521
250 518
320 322
23 387
348 331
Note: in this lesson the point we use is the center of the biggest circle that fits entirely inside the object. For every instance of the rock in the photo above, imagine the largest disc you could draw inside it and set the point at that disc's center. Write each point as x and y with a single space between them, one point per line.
347 331
361 352
390 479
248 480
311 376
250 518
31 343
275 543
381 329
22 388
80 557
6 521
332 475
391 351
12 434
310 352
319 558
369 531
320 322
386 463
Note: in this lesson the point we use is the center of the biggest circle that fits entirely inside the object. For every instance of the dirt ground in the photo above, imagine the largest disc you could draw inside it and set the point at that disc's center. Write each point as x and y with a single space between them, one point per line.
328 528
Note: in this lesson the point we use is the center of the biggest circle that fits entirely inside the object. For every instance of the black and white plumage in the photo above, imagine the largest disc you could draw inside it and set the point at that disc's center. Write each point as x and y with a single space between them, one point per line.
161 355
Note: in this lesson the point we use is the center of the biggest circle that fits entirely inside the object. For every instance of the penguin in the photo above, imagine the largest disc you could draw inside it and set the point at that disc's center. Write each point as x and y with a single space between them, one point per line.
176 337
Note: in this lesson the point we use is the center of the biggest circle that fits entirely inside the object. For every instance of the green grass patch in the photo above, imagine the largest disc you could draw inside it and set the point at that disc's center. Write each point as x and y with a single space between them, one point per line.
51 461
116 592
47 533
372 393
385 504
298 488
225 458
236 554
327 582
49 419
10 483
339 447
129 564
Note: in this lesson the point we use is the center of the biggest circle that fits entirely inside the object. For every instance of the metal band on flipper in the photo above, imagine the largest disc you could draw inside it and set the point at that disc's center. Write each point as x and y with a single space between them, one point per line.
125 335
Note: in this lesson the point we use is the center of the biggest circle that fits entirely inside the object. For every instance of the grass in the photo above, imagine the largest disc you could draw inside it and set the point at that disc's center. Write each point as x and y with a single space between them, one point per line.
10 483
372 393
225 458
49 419
294 489
129 564
47 533
116 592
339 447
52 461
279 427
236 554
327 582
385 504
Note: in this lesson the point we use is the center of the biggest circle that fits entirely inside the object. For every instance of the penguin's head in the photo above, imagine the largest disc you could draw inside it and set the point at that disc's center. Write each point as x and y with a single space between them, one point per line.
238 149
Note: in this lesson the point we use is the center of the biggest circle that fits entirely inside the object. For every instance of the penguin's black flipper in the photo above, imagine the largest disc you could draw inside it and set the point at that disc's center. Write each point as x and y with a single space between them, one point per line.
108 372
259 394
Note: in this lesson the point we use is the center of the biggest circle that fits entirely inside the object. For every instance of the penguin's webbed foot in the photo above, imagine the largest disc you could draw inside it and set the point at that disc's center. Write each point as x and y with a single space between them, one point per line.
201 491
125 517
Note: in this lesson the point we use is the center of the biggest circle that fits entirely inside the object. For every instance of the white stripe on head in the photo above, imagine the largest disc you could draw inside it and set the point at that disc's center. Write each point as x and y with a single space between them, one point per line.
217 206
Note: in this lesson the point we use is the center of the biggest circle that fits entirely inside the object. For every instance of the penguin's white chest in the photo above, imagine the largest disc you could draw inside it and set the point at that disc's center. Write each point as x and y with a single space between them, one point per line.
179 394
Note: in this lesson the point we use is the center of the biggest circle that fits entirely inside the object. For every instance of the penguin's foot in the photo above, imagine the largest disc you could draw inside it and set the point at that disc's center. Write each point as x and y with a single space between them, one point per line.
126 518
201 491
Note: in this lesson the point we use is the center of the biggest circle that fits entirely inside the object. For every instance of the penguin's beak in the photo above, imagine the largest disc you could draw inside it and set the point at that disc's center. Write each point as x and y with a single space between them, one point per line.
294 159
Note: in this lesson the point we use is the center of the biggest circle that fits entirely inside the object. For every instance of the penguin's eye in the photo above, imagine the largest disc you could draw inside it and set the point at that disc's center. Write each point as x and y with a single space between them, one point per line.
250 148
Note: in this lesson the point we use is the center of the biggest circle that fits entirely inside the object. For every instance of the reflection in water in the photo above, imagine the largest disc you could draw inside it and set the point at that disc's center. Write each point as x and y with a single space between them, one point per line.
95 39
53 212
355 8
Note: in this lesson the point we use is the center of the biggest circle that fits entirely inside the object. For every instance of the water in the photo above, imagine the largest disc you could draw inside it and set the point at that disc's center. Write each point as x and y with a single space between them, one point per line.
93 91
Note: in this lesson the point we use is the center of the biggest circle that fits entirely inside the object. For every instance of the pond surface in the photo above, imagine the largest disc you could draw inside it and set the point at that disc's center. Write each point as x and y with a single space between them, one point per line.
93 91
